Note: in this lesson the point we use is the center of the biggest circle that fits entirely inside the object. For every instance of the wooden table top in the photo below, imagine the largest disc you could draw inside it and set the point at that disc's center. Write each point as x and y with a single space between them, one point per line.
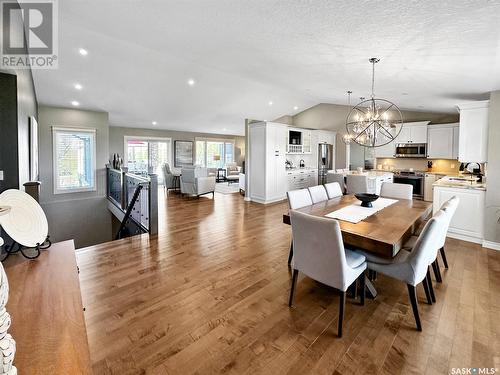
45 306
383 233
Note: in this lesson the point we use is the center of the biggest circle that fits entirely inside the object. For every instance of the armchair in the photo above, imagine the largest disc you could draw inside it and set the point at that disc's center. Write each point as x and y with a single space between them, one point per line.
232 172
195 181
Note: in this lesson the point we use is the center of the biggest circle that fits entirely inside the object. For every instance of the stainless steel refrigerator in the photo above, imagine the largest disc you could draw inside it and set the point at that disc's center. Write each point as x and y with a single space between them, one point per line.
325 161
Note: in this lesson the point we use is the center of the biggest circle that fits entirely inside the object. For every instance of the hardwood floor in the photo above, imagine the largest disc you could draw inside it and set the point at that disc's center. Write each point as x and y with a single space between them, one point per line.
209 295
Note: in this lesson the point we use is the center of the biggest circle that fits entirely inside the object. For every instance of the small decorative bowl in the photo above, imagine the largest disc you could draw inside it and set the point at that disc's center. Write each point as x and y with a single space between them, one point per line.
366 199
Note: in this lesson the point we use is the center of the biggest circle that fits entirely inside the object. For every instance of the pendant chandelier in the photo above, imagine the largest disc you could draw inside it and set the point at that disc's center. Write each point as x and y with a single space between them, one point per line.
374 122
347 138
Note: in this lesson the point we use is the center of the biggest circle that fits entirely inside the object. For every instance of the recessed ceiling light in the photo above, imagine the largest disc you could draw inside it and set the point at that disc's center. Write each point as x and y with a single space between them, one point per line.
78 86
154 123
295 108
224 129
270 103
191 82
75 103
83 52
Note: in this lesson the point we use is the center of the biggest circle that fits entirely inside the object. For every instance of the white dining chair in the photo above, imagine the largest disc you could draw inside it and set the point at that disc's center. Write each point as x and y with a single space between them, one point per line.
333 190
396 191
320 254
299 198
336 177
412 267
339 171
449 207
318 193
356 184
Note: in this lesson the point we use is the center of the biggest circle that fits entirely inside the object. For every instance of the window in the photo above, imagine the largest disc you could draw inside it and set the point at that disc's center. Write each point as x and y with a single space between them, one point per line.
144 155
74 153
214 153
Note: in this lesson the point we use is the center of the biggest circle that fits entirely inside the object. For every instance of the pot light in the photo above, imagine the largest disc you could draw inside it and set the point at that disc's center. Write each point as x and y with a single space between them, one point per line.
83 52
295 108
75 103
78 86
154 123
224 129
270 103
191 82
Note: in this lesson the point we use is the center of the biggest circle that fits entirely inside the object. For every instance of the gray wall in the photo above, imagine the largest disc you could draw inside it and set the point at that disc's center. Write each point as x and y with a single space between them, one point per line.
333 116
117 134
83 216
492 212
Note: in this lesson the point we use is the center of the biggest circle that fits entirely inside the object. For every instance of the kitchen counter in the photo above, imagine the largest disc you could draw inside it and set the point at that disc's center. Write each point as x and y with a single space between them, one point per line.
449 181
300 170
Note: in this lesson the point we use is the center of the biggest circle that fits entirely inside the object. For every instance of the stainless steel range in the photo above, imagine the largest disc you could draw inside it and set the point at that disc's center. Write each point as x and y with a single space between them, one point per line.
414 178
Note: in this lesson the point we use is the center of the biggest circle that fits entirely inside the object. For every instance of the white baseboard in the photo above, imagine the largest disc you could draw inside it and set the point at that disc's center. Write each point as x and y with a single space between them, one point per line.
491 245
464 237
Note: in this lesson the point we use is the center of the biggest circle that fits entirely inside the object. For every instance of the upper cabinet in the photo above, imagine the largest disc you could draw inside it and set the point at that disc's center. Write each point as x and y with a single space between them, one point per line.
325 136
413 132
298 141
442 141
473 141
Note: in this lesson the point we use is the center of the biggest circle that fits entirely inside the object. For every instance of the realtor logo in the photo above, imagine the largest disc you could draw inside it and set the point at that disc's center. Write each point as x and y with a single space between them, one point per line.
29 34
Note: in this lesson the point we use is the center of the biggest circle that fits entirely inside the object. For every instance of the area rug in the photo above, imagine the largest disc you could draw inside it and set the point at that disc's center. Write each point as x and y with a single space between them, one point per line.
224 188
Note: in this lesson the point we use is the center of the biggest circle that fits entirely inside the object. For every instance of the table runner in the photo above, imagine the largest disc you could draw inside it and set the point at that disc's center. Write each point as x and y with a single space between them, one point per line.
354 213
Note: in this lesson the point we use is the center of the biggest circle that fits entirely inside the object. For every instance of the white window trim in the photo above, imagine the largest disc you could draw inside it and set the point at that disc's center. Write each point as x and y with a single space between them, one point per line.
54 156
127 138
208 139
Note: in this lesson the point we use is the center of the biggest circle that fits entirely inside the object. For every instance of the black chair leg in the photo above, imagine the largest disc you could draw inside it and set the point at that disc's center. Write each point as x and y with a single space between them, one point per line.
427 292
443 255
437 272
292 289
362 290
429 284
412 292
341 312
290 254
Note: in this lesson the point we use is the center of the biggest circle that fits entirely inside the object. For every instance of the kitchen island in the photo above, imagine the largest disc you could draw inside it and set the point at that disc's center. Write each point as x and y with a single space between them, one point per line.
468 222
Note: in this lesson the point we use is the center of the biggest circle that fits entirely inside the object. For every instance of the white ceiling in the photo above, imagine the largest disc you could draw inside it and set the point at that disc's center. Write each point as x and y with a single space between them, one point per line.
245 53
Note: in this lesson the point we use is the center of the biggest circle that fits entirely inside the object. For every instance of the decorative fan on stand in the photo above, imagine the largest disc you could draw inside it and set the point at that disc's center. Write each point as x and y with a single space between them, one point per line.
25 222
374 122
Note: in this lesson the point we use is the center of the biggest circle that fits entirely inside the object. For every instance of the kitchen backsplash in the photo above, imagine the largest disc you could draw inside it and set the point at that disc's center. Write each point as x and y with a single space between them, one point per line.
308 160
438 165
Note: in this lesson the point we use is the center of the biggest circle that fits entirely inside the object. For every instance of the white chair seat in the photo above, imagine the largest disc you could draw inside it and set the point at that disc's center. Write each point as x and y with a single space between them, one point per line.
402 256
354 259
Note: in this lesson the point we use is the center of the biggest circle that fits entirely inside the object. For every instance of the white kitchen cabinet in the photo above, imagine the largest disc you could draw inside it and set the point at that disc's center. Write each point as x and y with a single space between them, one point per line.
468 222
325 136
473 141
267 178
385 151
306 142
413 132
456 142
301 178
442 141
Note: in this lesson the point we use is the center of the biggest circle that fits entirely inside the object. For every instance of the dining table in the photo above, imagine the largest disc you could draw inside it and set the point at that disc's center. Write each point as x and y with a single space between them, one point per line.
383 233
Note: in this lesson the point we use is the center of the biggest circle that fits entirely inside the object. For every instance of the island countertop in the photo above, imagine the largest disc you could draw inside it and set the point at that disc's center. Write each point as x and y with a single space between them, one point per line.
454 182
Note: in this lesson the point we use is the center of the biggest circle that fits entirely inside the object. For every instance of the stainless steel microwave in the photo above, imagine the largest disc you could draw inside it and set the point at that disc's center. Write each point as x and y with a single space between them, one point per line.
411 150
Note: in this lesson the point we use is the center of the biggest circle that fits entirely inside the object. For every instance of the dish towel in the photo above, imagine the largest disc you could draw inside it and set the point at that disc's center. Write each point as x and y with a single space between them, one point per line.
354 213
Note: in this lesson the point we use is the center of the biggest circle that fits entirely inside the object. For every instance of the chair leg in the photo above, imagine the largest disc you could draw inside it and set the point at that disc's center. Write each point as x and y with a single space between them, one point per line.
290 254
362 289
292 289
412 292
437 272
443 255
341 312
429 284
427 291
